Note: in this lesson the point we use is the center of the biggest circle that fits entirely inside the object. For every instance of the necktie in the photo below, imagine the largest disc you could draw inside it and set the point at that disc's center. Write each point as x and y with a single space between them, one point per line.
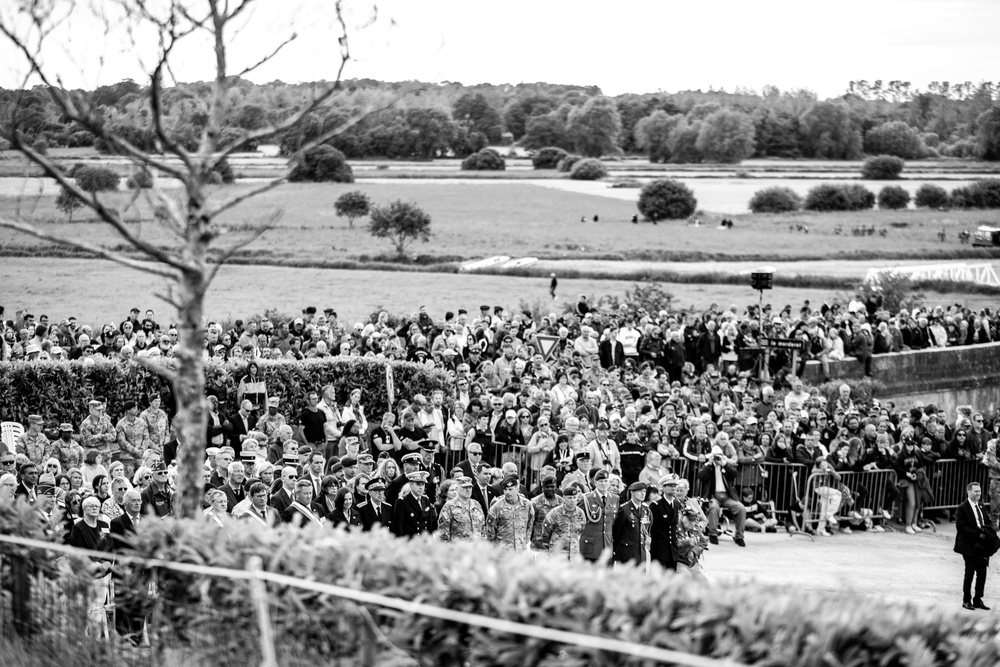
979 517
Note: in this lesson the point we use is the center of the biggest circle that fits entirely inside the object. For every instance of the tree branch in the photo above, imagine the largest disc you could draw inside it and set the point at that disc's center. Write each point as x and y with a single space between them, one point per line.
231 252
103 253
157 368
268 57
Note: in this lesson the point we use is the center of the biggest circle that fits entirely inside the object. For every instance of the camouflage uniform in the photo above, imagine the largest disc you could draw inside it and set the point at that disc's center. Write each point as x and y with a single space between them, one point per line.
133 441
69 455
509 526
461 520
269 426
157 424
561 531
35 447
99 433
542 508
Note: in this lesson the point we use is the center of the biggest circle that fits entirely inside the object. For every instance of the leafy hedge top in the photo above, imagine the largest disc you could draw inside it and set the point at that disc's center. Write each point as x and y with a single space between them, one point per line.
59 390
749 623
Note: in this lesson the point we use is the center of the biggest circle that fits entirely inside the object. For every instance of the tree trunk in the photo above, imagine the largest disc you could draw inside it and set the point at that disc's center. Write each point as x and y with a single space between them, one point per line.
190 422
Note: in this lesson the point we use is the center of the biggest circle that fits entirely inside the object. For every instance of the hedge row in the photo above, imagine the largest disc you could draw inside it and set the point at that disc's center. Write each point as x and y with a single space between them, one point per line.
749 623
59 391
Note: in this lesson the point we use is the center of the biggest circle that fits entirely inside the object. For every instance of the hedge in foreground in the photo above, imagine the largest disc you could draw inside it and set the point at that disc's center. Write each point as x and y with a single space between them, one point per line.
59 390
750 623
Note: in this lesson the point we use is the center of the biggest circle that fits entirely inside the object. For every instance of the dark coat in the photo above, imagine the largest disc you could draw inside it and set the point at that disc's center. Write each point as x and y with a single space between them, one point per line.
280 500
122 530
968 536
663 532
611 354
412 516
597 531
237 430
626 533
366 511
484 501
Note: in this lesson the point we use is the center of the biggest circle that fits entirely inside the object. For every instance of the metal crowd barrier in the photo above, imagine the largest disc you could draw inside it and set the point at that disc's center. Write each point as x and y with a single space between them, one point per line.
948 479
872 490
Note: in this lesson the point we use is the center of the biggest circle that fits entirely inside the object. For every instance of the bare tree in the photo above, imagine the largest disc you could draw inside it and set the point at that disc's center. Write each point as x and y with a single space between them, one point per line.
193 218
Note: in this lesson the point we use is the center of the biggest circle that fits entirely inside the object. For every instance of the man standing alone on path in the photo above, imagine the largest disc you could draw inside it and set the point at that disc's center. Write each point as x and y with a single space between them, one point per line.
971 539
553 285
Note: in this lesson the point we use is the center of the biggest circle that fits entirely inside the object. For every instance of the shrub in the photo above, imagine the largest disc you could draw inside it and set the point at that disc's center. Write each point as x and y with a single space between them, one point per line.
775 200
931 196
352 205
931 140
882 168
485 160
548 158
59 391
140 180
894 138
962 148
839 197
982 193
40 146
322 164
566 164
67 202
893 198
96 179
226 175
400 222
667 199
589 169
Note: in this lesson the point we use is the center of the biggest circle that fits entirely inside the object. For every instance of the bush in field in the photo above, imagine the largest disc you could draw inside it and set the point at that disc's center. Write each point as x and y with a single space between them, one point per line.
140 180
983 193
96 179
775 200
485 160
321 164
589 169
548 158
400 222
882 168
40 146
839 197
566 164
667 199
893 198
67 202
352 205
932 196
961 149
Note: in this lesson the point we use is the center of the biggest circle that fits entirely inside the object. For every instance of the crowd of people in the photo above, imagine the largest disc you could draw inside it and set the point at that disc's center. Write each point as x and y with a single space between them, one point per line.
579 453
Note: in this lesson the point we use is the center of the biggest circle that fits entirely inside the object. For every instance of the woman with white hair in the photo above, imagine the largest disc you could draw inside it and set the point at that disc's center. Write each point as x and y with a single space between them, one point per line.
8 485
217 504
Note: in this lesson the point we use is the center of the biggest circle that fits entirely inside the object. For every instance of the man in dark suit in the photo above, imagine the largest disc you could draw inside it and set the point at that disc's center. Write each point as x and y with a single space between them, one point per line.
628 534
475 453
663 528
241 423
298 513
375 511
129 600
282 498
481 491
970 524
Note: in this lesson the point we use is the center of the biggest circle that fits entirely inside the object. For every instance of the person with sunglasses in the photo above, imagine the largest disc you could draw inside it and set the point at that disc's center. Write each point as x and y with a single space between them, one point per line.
283 497
158 498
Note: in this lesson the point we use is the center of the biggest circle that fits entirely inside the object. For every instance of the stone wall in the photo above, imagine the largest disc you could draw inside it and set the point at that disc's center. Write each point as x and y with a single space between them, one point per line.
967 375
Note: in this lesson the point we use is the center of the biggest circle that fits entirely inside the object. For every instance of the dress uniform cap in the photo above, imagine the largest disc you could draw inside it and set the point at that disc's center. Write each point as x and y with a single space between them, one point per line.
412 457
428 445
601 474
375 484
582 455
669 480
637 486
418 476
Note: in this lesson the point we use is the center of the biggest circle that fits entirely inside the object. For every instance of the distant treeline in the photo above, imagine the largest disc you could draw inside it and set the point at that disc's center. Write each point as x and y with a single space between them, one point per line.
451 119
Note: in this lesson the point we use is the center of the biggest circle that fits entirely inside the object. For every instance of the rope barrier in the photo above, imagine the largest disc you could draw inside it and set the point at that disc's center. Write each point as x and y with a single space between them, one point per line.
653 653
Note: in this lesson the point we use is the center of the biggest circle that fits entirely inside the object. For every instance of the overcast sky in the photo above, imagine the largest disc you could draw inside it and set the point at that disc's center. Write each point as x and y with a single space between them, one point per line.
621 46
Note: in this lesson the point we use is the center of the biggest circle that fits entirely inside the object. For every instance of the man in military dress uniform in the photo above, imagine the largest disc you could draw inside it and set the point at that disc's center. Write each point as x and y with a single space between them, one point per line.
461 517
563 526
436 472
663 528
511 518
580 476
600 507
374 510
411 463
414 514
630 527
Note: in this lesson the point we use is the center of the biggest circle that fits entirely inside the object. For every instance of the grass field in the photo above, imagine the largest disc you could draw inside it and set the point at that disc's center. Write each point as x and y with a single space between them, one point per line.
99 291
521 219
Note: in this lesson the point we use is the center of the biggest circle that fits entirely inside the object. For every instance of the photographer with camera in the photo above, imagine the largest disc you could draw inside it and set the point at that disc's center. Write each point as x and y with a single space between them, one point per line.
717 477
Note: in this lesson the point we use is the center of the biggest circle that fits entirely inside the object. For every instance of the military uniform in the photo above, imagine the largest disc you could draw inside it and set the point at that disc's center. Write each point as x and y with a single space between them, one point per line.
663 532
542 508
35 447
157 426
133 441
269 426
576 477
413 516
561 531
600 515
629 533
100 434
461 520
366 511
509 525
